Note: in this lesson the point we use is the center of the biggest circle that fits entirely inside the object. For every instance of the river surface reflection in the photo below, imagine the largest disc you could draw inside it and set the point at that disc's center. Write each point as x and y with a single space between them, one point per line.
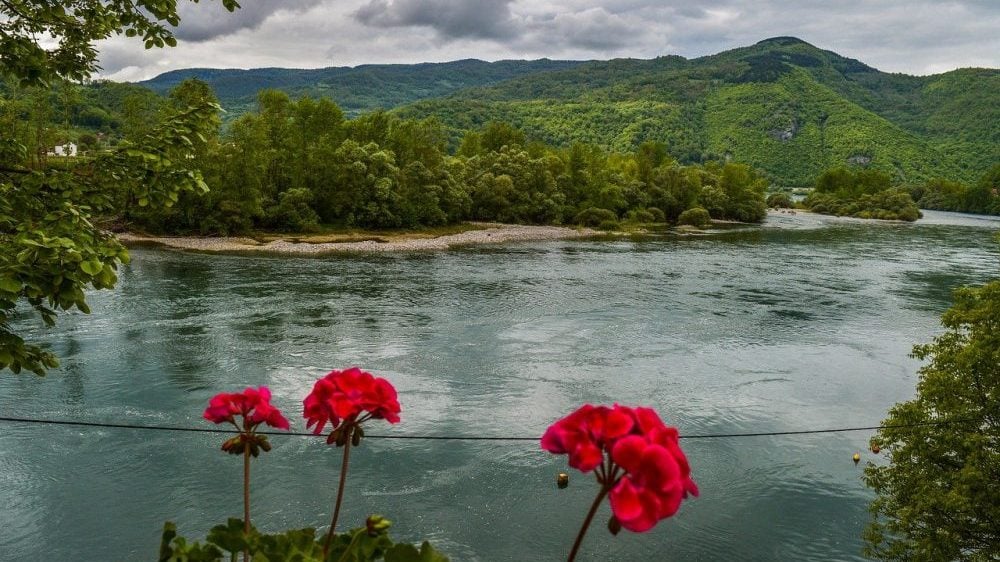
805 322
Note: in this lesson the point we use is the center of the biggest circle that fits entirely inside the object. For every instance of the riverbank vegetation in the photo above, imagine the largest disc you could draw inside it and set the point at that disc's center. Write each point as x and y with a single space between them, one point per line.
866 194
982 197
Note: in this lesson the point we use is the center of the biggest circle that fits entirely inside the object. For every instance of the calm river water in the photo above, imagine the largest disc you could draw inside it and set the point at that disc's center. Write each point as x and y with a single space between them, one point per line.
802 323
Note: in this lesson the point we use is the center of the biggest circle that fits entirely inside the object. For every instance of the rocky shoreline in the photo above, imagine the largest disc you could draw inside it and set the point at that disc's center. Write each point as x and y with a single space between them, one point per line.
493 234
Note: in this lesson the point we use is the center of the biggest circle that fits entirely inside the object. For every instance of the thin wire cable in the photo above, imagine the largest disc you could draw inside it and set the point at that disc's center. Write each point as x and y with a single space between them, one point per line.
465 437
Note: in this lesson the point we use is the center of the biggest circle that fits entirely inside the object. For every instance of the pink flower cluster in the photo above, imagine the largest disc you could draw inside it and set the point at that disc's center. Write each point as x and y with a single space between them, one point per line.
656 473
253 404
342 396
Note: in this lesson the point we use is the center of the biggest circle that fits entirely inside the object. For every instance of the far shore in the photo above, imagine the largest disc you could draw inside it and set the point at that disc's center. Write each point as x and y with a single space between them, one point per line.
481 233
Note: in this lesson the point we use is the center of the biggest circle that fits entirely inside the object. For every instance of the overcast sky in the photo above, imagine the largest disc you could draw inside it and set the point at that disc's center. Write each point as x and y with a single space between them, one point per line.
912 36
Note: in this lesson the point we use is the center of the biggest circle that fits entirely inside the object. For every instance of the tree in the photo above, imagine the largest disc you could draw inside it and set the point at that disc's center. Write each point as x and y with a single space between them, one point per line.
76 25
938 498
51 244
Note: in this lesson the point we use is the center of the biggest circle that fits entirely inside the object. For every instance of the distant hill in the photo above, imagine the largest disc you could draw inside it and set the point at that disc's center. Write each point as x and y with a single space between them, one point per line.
358 89
782 105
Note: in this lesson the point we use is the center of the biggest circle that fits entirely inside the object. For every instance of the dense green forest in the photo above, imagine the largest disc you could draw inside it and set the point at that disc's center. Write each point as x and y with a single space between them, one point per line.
95 116
870 194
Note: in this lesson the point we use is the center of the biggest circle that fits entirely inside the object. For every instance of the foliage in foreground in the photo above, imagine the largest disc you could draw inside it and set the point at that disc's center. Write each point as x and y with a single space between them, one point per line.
938 498
225 542
51 246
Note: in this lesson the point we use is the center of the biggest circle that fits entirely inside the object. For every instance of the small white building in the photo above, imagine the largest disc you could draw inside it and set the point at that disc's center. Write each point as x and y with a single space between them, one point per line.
68 149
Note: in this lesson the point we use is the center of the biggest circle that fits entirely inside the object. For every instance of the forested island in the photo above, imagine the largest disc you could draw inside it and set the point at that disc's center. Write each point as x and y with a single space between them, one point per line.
297 165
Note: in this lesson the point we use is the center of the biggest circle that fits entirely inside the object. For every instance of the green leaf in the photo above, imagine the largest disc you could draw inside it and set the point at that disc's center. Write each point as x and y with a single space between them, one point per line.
169 533
231 536
409 553
10 285
92 267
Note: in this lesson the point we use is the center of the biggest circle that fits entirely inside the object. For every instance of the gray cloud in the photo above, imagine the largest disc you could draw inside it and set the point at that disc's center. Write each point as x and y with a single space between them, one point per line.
451 19
592 29
913 36
208 20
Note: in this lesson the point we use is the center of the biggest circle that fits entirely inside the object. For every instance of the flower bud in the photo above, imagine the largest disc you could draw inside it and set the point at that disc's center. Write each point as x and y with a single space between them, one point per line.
233 446
264 443
334 436
376 524
356 437
614 525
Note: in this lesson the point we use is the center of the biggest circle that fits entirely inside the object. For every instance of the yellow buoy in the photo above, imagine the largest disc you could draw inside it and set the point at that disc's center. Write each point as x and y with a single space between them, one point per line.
857 458
562 480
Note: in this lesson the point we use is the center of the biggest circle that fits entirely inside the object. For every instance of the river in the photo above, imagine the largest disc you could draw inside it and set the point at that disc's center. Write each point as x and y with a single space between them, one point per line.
802 323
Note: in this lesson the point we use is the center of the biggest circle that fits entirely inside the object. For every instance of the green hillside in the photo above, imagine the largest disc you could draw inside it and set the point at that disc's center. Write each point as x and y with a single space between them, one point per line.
782 105
358 89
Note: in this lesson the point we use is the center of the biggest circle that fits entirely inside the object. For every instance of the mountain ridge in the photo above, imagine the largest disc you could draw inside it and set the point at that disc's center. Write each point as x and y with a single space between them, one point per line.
357 89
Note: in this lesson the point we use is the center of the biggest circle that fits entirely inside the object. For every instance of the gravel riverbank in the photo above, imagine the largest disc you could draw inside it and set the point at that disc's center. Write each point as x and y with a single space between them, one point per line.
494 234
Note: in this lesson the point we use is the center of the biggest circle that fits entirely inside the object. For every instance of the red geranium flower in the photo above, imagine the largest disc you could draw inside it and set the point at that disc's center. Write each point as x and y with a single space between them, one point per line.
348 397
636 457
656 479
254 405
345 399
585 434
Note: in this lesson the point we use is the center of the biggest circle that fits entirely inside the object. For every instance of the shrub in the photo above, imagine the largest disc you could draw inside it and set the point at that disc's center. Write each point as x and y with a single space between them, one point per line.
658 215
779 201
695 216
640 215
294 211
594 216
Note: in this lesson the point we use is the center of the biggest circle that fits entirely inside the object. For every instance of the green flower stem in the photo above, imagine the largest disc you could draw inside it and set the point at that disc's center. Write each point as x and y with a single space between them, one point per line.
586 522
340 491
354 541
607 477
246 498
